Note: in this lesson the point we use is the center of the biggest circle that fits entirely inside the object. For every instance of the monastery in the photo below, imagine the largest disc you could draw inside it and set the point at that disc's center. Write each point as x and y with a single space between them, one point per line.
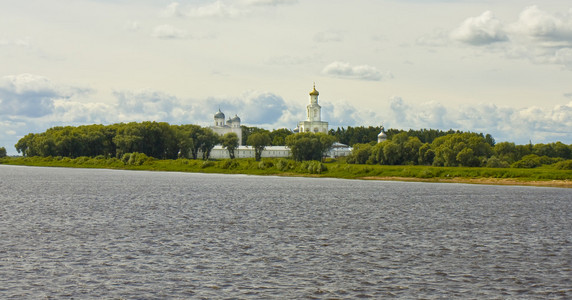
313 123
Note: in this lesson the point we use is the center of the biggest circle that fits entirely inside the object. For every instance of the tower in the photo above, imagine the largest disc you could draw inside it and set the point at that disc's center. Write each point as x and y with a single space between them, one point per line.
314 110
313 121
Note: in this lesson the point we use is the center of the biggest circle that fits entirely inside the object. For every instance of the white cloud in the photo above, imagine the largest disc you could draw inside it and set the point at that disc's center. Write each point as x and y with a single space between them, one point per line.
362 72
269 2
167 31
147 104
328 36
222 9
538 124
75 112
253 107
29 95
131 26
19 42
552 28
538 36
482 30
216 9
438 37
172 10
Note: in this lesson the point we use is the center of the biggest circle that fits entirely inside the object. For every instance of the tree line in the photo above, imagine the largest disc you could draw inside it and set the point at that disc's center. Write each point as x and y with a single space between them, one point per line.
414 147
363 135
460 149
154 139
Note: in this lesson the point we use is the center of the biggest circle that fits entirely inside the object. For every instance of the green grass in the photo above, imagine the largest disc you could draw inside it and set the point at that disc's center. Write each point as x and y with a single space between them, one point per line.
287 167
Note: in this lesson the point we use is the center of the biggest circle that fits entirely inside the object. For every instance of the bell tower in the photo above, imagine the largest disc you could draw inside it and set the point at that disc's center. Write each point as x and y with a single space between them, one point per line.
314 110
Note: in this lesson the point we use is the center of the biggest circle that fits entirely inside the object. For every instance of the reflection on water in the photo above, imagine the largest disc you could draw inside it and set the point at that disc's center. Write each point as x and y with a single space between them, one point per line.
74 233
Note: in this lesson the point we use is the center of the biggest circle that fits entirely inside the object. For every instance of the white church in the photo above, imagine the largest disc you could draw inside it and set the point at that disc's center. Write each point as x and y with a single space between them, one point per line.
232 125
313 123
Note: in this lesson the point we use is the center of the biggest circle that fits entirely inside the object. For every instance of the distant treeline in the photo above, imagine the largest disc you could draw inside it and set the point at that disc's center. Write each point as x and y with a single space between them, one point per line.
460 149
414 147
154 139
364 135
164 141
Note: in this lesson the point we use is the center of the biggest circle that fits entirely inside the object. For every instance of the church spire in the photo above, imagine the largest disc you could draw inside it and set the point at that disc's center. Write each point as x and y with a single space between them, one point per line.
314 92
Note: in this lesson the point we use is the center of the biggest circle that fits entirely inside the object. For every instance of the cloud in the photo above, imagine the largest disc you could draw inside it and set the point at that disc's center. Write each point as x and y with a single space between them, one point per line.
172 10
131 26
269 2
553 29
19 42
254 107
438 37
29 95
482 30
75 112
363 72
222 9
328 36
538 36
536 124
399 108
167 31
217 9
148 104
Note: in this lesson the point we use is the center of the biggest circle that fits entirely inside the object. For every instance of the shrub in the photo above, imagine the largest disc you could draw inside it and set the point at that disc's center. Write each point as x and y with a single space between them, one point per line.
207 163
135 158
265 164
316 167
533 161
284 165
229 164
564 165
495 162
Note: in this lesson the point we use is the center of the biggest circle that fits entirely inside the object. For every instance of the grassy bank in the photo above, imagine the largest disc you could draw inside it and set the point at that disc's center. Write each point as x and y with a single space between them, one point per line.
546 176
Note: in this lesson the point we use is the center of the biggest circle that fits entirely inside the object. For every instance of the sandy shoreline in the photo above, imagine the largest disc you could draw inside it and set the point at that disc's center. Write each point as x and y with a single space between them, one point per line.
490 181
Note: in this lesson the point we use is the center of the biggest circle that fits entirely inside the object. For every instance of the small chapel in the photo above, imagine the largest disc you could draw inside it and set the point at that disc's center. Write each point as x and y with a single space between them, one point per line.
313 121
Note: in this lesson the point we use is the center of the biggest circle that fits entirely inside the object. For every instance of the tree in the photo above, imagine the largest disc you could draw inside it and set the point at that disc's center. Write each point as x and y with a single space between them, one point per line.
247 131
450 150
506 151
258 141
24 144
187 138
207 140
278 136
426 155
309 145
467 158
361 154
230 142
2 152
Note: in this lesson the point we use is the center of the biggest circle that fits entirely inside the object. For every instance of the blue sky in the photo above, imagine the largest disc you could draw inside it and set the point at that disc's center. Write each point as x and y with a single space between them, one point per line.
498 67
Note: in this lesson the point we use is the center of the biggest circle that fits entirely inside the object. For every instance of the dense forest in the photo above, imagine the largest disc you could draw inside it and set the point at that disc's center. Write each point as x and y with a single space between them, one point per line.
461 149
414 147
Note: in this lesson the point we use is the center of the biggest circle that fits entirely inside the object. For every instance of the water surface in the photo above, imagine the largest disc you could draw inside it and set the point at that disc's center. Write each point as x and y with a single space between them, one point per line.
82 233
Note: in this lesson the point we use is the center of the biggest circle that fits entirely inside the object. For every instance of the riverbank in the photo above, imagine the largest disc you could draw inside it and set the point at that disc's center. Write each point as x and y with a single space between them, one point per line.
487 181
543 176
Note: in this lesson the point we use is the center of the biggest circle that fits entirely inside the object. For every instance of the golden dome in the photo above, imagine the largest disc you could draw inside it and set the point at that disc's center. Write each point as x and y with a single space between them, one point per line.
314 92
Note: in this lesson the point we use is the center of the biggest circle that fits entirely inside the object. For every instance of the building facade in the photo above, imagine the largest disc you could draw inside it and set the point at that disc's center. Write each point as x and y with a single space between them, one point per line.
313 121
223 127
312 124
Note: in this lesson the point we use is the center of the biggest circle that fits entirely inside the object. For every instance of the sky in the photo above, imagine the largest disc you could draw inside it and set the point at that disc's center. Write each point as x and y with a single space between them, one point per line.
498 67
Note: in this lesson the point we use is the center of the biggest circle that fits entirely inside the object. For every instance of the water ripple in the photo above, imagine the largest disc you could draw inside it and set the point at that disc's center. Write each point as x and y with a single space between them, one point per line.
119 234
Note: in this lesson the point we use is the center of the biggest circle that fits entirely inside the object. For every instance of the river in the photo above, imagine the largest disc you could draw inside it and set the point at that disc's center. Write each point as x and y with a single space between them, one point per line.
89 234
